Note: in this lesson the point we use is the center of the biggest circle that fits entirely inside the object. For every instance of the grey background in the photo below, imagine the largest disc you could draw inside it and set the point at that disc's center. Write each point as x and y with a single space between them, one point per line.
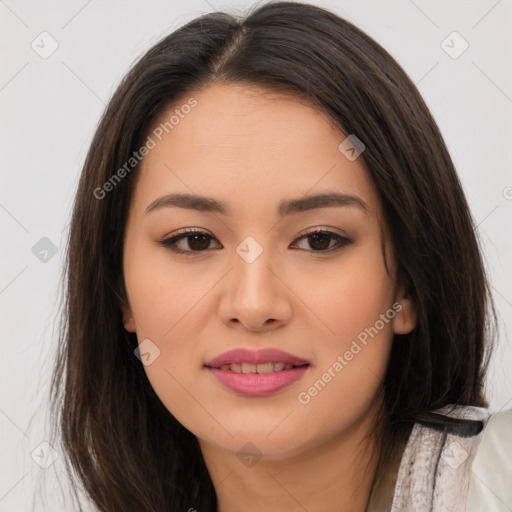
49 109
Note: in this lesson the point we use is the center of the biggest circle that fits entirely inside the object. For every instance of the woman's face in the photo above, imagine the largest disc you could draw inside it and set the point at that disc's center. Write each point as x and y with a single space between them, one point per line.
255 278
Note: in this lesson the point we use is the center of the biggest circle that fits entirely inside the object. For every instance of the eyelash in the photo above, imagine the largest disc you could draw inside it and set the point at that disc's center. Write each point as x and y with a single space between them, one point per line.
170 243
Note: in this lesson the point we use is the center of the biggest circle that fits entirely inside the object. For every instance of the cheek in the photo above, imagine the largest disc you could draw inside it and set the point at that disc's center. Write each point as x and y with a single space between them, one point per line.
351 299
353 352
166 304
162 296
351 364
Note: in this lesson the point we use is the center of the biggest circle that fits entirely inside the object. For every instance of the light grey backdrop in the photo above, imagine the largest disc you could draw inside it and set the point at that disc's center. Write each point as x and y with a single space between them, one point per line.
61 61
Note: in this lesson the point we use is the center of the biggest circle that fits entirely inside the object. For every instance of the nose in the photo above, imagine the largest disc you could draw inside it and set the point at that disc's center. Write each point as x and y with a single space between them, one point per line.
256 295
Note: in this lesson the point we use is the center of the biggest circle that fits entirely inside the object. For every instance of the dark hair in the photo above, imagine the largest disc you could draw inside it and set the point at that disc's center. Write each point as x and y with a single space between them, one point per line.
121 444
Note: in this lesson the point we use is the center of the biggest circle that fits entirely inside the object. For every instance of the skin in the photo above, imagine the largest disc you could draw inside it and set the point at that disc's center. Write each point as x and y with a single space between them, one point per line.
252 148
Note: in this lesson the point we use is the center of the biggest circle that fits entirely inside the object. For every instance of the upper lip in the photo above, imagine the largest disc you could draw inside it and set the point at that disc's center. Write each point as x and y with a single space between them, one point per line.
265 355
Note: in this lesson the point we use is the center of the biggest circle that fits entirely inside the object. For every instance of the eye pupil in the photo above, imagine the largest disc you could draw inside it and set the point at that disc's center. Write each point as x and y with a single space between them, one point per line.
194 239
189 242
321 236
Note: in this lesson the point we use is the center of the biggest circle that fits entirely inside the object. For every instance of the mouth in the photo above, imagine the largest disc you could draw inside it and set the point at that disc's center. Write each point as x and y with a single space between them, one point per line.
257 373
257 380
261 368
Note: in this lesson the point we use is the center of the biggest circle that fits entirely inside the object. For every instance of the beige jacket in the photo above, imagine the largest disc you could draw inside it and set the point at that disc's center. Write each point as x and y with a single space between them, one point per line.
451 472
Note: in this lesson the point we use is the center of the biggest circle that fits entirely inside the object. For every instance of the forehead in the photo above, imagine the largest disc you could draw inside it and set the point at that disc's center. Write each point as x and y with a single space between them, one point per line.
248 144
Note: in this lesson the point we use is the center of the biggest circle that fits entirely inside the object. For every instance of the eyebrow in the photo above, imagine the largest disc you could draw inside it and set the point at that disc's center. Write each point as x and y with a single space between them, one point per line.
286 206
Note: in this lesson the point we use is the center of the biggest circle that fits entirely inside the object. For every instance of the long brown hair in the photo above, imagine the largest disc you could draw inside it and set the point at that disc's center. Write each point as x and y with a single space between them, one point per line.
122 446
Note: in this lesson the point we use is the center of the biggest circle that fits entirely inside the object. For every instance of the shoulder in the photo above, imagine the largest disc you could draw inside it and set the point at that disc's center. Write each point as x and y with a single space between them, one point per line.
491 471
436 464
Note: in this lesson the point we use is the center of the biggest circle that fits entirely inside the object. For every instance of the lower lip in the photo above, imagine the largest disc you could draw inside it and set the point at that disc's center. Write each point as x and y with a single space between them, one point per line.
258 384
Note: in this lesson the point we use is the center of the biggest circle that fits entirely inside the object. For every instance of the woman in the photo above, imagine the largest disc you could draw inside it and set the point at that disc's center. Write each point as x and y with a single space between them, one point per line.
276 300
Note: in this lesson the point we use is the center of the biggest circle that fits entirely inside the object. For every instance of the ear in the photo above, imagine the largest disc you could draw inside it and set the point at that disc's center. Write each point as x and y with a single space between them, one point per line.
405 318
129 323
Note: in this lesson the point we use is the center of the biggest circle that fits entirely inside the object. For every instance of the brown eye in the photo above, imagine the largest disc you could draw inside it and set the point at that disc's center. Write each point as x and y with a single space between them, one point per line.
195 240
320 240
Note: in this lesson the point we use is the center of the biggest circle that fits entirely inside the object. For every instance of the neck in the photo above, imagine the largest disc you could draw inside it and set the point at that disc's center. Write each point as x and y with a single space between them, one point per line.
383 489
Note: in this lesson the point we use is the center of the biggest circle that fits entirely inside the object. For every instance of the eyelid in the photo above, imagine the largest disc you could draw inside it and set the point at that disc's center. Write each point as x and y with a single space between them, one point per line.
342 240
169 241
183 233
320 229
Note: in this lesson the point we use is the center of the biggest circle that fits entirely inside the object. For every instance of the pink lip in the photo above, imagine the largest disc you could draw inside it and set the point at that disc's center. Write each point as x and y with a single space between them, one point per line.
255 384
243 355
